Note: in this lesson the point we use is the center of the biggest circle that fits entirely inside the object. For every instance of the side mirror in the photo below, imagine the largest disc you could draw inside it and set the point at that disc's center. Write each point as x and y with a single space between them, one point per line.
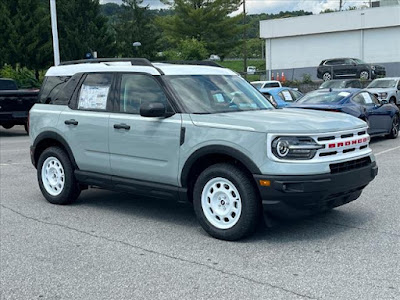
152 109
383 102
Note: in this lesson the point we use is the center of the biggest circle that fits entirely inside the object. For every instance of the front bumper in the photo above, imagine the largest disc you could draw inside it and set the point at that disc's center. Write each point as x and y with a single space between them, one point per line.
292 196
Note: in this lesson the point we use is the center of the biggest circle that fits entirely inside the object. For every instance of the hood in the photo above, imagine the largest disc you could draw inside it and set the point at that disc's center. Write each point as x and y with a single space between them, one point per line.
379 90
286 120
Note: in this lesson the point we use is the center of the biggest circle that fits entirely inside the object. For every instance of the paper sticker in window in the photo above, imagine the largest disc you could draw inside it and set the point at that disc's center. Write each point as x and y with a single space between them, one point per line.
287 96
93 97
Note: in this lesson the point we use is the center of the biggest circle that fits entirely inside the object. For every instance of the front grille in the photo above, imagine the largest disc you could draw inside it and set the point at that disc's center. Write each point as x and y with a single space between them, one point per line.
350 165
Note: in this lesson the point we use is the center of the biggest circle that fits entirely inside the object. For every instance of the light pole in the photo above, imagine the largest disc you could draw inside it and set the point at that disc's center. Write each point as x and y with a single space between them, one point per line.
56 49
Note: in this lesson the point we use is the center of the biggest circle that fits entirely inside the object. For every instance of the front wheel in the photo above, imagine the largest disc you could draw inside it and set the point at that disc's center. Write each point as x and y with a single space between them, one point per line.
394 132
226 202
56 177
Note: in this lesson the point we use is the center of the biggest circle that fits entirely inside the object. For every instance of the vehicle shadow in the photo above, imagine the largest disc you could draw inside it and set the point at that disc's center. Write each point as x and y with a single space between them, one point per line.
377 139
15 131
316 227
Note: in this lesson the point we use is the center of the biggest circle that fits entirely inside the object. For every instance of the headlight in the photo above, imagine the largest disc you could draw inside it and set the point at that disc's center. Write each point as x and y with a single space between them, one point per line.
382 95
300 148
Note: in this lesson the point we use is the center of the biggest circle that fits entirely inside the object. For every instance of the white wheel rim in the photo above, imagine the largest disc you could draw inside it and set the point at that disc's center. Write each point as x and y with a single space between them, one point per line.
53 176
221 203
327 76
364 75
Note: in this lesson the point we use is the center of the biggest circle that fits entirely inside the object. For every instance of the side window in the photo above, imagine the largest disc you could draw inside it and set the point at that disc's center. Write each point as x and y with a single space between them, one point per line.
286 95
94 92
51 86
398 85
359 99
137 89
296 95
374 99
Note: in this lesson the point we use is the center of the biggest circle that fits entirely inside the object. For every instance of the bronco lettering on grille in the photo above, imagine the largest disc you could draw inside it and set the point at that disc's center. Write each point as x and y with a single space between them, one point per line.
347 143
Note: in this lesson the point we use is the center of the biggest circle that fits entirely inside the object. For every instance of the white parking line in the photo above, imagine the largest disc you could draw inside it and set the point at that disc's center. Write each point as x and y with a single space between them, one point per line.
11 164
388 150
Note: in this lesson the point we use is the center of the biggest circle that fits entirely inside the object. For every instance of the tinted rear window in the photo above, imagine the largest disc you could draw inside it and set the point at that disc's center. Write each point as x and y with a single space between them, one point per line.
7 84
51 86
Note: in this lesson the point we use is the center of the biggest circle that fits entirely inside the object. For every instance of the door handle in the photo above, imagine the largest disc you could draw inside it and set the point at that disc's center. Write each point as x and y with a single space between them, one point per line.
122 126
71 122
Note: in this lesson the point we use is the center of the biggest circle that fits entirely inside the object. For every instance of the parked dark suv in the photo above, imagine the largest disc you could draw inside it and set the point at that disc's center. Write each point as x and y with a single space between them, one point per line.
348 68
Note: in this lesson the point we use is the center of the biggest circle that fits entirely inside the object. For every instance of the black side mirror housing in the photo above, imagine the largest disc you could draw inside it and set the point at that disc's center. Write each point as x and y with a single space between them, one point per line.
152 109
383 102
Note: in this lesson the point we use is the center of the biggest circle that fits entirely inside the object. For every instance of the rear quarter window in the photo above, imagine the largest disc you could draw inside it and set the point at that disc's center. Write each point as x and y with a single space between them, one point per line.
50 87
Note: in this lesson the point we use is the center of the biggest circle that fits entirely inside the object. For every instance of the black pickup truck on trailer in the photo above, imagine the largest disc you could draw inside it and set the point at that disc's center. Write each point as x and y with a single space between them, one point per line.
15 104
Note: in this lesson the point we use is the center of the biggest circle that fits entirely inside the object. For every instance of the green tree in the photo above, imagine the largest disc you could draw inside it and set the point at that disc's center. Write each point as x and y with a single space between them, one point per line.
5 34
83 29
136 24
29 42
192 49
208 21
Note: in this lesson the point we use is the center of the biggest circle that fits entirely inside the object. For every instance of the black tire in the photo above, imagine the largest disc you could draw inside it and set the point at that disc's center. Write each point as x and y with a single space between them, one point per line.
71 189
394 132
26 127
8 126
327 76
392 100
250 202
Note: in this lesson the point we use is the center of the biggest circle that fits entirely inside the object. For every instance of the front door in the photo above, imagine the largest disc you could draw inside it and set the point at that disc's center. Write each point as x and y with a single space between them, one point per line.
84 124
143 148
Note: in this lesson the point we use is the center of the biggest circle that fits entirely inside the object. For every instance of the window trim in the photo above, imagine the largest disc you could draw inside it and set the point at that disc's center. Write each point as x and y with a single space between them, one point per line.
73 104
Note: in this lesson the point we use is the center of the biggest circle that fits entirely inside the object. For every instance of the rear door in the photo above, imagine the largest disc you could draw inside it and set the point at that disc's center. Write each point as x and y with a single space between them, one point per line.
143 148
84 123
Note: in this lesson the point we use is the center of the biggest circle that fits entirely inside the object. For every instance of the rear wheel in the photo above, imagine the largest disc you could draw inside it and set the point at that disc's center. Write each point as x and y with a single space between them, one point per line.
394 132
226 202
56 177
327 76
8 126
364 75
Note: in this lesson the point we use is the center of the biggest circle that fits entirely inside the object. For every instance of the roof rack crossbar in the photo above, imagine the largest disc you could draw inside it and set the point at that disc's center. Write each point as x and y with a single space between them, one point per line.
133 61
194 62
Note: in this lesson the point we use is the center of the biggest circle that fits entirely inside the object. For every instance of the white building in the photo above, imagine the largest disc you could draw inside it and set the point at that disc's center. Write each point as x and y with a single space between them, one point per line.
297 45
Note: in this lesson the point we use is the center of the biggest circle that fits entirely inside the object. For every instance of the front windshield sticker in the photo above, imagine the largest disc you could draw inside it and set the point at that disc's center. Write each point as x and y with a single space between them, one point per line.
93 97
344 94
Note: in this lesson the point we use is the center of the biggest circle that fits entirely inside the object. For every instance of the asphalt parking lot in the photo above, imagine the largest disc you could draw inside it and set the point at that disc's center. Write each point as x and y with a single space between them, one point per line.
111 245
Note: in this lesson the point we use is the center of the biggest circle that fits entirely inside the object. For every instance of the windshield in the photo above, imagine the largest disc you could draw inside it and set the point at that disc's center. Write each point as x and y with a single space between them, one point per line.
333 84
382 84
323 98
207 94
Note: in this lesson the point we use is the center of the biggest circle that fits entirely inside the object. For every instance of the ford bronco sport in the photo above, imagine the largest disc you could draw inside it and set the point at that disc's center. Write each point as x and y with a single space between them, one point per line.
194 133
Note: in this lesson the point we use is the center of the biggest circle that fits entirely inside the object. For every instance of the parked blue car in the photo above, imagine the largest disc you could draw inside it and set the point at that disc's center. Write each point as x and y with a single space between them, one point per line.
382 117
282 96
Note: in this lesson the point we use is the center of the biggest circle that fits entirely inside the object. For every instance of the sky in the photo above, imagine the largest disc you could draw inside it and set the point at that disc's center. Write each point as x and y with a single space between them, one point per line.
275 6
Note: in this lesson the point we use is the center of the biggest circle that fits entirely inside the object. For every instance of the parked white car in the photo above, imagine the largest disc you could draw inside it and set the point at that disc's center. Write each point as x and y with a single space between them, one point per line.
266 84
387 89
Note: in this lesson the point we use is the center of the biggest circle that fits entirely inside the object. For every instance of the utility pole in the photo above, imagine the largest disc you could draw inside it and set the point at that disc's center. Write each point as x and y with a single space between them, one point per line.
244 40
340 5
56 49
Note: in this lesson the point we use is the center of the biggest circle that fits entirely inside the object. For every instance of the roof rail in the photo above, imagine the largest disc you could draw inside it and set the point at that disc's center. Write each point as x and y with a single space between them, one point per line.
133 61
194 62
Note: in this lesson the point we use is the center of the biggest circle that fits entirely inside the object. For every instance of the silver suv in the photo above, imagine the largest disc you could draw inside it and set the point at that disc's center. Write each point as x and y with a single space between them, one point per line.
194 133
